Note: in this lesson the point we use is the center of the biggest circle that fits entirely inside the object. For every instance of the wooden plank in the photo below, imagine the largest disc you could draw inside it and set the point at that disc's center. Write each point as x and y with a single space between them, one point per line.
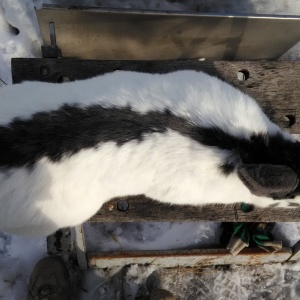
34 68
274 84
142 209
186 258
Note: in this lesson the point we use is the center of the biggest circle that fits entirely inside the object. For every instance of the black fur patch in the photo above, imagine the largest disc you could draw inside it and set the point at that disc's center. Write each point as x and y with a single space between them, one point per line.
69 129
227 168
259 149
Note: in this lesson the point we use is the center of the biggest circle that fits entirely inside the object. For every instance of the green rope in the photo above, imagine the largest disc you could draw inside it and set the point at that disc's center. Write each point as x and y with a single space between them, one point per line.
238 235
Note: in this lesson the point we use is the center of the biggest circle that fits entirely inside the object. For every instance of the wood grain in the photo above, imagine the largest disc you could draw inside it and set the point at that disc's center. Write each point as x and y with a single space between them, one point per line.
142 209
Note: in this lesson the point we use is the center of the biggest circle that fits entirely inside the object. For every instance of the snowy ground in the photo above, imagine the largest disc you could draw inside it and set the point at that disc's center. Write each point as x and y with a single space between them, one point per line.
19 37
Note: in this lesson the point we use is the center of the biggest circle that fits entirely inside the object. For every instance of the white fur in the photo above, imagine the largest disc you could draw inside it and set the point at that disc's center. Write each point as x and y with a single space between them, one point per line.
167 166
203 99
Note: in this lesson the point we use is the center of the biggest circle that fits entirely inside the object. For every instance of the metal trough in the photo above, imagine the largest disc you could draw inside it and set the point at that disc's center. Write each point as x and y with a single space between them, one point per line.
93 33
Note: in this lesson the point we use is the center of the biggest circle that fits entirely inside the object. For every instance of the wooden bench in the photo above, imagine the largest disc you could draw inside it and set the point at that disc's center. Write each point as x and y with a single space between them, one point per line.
274 84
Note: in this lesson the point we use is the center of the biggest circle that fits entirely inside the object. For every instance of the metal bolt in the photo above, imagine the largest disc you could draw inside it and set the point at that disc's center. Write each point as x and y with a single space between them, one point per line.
122 205
45 71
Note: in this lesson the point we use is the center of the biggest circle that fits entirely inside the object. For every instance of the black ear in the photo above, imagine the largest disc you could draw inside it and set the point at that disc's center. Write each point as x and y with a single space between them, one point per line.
274 181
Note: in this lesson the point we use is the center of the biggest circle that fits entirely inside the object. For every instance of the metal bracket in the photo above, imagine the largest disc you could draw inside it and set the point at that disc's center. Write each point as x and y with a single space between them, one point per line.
52 51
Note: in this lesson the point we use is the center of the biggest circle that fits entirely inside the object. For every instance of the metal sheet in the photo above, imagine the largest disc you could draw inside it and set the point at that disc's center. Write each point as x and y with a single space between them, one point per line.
186 258
147 35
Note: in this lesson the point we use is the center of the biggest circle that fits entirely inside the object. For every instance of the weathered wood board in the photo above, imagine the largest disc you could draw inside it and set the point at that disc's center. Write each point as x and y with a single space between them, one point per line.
186 258
274 84
142 209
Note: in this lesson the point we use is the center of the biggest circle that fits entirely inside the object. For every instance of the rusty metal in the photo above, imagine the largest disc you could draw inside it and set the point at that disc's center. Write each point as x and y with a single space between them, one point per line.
186 258
94 33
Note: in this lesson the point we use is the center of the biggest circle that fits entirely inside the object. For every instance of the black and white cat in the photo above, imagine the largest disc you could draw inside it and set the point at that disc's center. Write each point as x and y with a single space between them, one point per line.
181 138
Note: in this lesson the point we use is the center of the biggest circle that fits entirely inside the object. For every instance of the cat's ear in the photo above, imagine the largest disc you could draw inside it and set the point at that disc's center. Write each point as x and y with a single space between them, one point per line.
276 181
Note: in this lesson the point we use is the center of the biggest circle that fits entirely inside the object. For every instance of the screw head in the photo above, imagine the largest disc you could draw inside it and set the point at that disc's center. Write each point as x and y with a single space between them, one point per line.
122 205
45 71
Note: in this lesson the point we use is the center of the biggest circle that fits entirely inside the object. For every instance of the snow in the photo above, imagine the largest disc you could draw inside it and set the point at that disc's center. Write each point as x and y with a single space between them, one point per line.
272 281
150 236
18 255
20 37
19 34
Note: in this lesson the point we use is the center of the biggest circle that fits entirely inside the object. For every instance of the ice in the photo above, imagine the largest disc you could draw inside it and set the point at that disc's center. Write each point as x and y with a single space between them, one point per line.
151 236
